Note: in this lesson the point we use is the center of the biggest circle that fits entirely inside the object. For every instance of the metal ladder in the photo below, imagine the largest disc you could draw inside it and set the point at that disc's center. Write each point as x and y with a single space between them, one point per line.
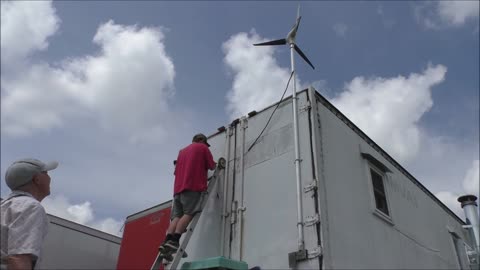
181 249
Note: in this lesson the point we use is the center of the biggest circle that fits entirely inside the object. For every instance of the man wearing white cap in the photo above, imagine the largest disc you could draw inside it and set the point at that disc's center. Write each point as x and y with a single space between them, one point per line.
23 219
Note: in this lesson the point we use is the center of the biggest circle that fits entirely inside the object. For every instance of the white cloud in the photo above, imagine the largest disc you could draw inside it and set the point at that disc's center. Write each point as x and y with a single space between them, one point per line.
340 29
126 87
450 200
441 14
80 213
471 180
321 86
258 79
389 109
43 91
25 27
109 225
130 83
457 12
470 186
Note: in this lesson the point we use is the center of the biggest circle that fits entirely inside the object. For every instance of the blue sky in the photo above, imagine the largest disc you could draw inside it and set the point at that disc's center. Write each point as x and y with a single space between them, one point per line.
112 90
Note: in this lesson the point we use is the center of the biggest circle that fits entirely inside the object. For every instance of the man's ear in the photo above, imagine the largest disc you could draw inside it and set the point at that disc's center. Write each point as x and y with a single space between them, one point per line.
36 178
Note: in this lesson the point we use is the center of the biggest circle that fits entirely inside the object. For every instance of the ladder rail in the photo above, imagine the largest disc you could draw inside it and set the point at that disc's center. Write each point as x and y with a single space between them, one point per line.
157 262
181 249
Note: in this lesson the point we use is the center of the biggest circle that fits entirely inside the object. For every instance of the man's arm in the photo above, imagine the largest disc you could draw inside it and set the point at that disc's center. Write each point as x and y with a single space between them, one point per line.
25 240
210 162
20 261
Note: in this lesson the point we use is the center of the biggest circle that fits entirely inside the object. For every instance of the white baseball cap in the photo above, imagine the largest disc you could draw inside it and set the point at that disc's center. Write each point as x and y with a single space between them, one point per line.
22 171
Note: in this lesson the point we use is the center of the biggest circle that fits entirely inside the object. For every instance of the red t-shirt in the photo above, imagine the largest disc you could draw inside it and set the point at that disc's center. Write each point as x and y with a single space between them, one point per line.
193 163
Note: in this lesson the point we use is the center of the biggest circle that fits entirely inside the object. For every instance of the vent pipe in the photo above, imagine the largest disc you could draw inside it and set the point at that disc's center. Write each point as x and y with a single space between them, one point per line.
469 205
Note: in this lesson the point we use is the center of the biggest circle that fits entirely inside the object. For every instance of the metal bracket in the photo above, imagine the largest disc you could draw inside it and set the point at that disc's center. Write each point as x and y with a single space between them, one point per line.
472 256
307 107
311 220
315 252
233 217
244 122
311 186
294 257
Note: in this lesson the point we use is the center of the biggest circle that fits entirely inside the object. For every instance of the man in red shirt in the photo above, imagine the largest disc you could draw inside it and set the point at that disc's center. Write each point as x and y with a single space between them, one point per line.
191 169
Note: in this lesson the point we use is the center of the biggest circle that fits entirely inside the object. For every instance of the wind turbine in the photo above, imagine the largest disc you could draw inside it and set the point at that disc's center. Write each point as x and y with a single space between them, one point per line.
290 40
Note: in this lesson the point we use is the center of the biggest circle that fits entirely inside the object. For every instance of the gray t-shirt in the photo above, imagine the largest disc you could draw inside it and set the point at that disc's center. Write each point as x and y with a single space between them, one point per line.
23 223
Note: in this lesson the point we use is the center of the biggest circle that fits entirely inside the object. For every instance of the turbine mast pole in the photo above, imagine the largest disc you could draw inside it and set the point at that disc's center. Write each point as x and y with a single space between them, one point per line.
300 239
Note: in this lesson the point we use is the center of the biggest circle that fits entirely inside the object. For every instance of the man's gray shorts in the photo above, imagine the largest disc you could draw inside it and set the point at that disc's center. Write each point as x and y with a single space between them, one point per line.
187 203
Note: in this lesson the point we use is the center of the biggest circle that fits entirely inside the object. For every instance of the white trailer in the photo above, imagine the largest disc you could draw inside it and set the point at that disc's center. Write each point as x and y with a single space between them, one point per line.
69 245
359 207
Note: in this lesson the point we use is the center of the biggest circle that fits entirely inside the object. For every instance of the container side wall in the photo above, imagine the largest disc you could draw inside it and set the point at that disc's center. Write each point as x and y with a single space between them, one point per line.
418 233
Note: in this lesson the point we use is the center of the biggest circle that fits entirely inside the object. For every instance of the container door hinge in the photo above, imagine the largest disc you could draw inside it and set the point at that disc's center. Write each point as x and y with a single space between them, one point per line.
311 220
311 186
315 252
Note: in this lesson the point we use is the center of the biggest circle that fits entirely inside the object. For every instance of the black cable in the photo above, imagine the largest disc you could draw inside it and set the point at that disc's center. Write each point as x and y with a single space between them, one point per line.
291 74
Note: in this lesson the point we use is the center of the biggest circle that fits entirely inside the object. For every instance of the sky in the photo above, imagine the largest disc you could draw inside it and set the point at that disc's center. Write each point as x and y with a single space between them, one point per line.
114 89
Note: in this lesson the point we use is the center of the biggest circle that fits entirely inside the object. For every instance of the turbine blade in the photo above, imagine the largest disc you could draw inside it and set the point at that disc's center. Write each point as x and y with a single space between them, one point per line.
298 15
303 55
273 42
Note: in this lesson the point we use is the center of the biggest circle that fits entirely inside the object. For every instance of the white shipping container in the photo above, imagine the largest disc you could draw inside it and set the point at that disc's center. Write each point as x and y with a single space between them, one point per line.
361 208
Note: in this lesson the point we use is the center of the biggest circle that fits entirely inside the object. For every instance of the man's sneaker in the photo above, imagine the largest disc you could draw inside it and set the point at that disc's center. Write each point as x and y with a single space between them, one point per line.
170 246
168 257
161 248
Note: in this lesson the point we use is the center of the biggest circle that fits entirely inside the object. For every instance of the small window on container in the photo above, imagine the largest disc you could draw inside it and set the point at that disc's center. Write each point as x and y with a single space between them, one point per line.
379 191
